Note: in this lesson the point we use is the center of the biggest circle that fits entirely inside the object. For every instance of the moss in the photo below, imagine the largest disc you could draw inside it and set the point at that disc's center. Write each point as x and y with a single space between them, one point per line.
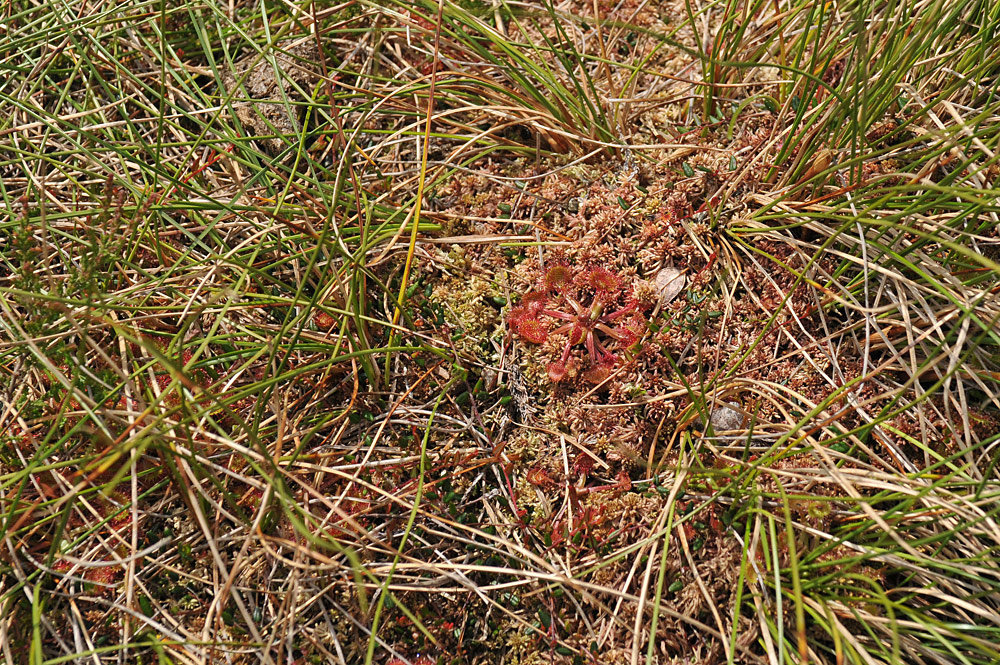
467 310
519 645
526 445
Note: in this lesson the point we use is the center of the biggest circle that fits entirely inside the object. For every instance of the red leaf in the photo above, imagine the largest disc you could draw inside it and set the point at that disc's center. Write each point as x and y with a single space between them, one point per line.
597 373
533 330
533 301
557 370
626 336
557 277
577 334
524 321
603 280
324 321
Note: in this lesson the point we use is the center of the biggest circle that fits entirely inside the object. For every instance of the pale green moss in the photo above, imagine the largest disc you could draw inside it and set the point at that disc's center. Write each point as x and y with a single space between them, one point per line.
467 309
650 205
526 445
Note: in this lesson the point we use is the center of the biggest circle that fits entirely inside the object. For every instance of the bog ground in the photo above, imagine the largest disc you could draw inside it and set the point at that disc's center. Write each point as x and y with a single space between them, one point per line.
476 331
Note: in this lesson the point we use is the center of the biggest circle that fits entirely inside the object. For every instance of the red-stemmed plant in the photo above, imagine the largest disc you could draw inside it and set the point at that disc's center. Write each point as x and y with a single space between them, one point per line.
587 306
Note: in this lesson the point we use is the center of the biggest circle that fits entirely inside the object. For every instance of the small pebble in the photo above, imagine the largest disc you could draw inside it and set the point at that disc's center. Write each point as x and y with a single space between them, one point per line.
726 417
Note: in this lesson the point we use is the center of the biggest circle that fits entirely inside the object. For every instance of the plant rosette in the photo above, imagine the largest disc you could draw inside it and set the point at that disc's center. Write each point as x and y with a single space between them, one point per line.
590 307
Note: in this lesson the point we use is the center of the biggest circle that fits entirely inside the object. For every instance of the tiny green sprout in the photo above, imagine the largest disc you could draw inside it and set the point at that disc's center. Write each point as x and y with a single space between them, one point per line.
146 605
840 447
634 391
